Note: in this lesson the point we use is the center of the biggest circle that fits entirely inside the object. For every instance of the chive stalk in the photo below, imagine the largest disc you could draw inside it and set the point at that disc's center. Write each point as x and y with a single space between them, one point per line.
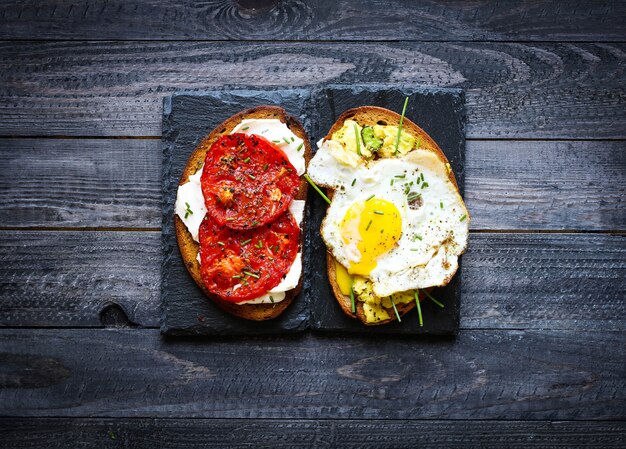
406 101
395 309
433 299
358 141
317 189
419 309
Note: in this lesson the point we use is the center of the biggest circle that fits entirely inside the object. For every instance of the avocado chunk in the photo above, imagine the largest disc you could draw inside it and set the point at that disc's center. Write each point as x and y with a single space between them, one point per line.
370 141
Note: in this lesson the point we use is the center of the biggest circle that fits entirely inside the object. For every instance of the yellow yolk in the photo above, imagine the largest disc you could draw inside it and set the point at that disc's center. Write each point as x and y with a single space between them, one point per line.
344 280
374 226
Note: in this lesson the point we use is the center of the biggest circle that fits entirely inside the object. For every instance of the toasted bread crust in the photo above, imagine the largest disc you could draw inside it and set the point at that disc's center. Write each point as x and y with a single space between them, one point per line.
372 115
189 248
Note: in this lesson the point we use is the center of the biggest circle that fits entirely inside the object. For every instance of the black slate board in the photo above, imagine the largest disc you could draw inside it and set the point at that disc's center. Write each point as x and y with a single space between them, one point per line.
441 113
187 118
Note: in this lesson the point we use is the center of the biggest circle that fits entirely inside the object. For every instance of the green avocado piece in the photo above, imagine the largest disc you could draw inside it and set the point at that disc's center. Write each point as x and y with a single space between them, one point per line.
370 141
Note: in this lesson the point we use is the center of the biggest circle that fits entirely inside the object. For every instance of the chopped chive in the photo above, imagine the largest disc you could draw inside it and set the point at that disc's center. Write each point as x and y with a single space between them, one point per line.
440 204
413 195
433 299
265 167
237 276
229 219
400 176
358 141
395 309
353 182
352 303
252 176
377 212
391 182
368 225
406 101
286 140
419 309
276 141
271 299
245 242
418 237
370 197
251 274
292 139
188 210
308 178
221 243
245 127
246 160
463 217
424 185
299 146
259 245
254 223
414 249
422 176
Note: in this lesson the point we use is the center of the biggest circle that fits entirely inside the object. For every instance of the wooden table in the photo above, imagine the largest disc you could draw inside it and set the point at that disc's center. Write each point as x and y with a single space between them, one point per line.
541 356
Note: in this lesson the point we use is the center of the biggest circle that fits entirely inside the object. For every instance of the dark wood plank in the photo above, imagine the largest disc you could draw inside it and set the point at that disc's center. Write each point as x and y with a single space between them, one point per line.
546 185
515 281
89 183
73 278
512 90
555 375
136 433
115 183
572 20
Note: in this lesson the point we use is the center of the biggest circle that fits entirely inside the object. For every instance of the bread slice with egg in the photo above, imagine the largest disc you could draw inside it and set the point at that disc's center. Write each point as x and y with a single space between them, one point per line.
370 116
189 247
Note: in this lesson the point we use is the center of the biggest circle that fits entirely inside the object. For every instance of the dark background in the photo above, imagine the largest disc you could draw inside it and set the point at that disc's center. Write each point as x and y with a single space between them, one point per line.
540 356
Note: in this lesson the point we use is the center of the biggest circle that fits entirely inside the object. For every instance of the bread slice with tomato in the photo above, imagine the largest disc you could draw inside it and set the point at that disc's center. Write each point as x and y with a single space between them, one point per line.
228 202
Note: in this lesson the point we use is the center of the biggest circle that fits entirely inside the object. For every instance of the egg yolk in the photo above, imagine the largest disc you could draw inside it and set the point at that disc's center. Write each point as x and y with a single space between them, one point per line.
374 226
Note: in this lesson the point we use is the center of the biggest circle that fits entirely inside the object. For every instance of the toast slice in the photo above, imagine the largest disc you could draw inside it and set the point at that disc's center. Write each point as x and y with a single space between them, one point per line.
372 115
189 247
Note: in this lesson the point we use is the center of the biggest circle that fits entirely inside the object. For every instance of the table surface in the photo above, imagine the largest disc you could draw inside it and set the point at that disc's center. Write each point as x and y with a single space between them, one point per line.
540 359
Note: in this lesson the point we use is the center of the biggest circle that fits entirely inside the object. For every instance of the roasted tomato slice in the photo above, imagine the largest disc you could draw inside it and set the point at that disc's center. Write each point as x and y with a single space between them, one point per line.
239 265
247 181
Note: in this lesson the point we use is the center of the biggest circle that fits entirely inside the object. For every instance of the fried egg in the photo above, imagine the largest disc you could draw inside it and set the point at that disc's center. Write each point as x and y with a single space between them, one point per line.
399 222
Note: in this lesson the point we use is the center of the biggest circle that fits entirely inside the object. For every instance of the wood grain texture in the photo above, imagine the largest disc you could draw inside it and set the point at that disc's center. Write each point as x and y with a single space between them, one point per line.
561 281
371 20
543 374
115 183
136 433
72 278
86 182
512 90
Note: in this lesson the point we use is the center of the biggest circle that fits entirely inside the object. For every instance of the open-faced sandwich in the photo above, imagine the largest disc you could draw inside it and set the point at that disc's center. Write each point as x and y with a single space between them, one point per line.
239 212
396 223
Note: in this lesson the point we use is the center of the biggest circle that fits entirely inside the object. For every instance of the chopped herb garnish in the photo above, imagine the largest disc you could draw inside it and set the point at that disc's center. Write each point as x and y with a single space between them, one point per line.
358 140
245 127
419 309
188 210
352 303
229 219
377 212
245 242
265 167
299 146
292 139
254 223
252 176
286 140
276 141
251 274
414 249
271 299
412 196
418 237
422 176
400 176
463 217
406 101
395 309
370 197
259 245
221 243
353 182
433 299
368 225
440 205
237 276
424 185
308 178
391 182
246 160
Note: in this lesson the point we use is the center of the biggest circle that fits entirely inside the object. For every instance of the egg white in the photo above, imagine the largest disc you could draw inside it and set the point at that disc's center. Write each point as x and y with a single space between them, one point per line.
433 235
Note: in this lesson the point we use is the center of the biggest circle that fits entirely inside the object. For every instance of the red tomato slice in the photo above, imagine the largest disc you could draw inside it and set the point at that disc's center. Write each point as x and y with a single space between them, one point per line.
247 181
242 265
